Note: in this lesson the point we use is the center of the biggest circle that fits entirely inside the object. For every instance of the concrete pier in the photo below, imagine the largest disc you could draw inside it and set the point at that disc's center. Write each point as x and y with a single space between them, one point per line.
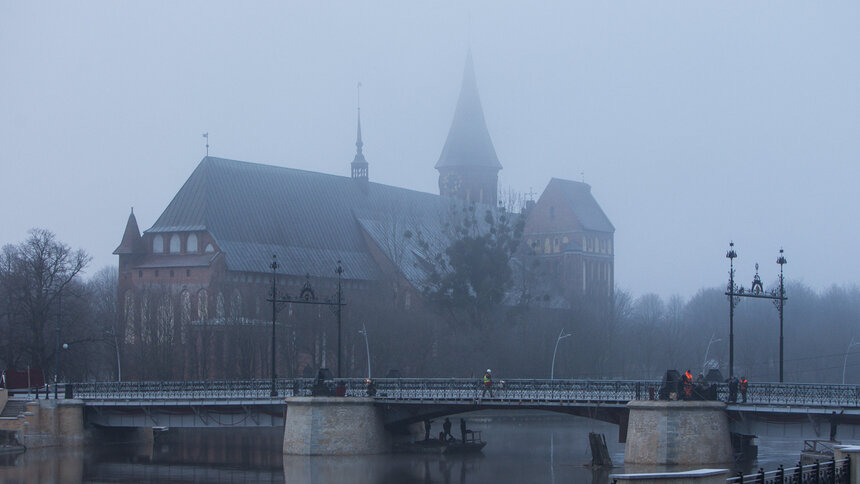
690 434
700 476
334 426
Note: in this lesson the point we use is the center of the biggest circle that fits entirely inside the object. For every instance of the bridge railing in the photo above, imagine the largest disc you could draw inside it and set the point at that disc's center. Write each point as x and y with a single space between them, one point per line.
459 389
191 390
828 472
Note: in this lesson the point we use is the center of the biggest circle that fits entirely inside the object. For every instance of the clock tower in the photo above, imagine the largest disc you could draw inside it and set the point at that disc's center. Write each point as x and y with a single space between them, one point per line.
468 166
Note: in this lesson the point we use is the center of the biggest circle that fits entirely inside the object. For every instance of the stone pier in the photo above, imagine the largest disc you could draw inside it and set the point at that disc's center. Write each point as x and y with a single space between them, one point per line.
687 434
334 426
48 423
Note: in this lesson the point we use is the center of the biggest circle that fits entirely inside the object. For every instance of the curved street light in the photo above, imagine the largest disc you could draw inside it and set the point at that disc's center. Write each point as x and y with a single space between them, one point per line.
363 331
562 335
845 361
707 350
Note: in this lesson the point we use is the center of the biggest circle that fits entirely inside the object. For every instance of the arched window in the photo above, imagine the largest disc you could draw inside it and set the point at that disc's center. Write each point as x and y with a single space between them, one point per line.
236 305
219 306
164 331
144 320
175 246
185 317
202 305
129 317
158 244
191 244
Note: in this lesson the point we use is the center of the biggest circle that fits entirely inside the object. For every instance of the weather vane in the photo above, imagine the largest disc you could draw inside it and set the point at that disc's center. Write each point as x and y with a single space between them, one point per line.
206 135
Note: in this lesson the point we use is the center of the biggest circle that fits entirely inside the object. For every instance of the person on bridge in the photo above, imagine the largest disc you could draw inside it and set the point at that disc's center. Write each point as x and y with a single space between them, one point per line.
427 429
733 389
446 427
687 381
743 386
488 383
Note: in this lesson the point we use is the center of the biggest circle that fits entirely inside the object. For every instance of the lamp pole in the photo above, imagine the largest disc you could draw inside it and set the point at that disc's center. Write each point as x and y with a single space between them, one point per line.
779 305
339 271
59 322
731 255
363 331
561 336
845 362
274 267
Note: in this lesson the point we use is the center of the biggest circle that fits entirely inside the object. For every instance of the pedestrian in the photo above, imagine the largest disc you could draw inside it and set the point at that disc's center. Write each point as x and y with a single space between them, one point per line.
426 429
488 383
687 381
371 388
733 389
463 429
743 386
446 427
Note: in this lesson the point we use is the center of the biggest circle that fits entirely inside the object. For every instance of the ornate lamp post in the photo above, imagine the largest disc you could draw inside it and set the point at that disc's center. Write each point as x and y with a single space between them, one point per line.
363 331
306 296
562 335
756 291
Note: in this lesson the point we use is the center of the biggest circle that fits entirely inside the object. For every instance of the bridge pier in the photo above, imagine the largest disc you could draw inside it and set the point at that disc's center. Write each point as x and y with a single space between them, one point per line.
334 426
688 434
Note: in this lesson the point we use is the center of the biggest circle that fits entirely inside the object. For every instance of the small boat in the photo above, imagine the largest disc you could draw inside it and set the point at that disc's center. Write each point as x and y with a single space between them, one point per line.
473 444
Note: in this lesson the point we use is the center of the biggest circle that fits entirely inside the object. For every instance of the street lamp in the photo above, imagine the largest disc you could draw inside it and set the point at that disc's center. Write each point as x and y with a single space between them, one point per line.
363 331
845 362
562 335
707 350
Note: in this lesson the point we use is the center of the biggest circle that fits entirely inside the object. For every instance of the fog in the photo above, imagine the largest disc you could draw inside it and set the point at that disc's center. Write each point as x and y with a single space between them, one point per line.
694 123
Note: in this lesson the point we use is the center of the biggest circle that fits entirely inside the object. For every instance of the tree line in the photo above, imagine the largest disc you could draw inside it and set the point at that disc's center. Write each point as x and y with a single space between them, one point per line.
459 327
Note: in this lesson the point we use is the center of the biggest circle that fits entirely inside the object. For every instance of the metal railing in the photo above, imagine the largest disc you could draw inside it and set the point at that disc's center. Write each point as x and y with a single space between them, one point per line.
828 472
463 389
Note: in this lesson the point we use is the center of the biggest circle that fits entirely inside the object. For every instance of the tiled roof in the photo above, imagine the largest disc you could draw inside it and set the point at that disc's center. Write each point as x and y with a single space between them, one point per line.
310 220
586 208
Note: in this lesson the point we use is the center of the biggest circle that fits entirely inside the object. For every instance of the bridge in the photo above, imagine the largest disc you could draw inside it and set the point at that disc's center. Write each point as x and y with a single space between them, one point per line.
248 403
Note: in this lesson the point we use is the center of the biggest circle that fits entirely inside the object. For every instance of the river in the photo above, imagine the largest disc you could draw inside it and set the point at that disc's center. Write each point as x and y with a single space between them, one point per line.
537 448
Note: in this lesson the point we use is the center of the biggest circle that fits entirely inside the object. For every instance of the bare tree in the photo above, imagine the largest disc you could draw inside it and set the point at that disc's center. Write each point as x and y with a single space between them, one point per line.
34 275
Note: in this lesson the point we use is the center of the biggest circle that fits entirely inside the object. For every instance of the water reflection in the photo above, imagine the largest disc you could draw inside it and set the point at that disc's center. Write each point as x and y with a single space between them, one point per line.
541 449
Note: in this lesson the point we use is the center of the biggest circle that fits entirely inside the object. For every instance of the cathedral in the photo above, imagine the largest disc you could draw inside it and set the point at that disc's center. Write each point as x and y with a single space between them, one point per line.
236 230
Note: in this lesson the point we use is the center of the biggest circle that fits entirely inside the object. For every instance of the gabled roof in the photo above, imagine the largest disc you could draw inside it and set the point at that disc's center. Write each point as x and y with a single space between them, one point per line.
310 220
130 238
469 143
585 207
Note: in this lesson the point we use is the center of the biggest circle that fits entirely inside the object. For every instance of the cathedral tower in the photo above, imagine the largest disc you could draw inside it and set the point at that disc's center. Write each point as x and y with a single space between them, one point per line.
468 166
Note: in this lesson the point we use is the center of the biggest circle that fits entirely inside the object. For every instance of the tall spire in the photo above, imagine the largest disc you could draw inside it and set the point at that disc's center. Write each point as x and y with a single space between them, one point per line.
359 164
130 238
469 143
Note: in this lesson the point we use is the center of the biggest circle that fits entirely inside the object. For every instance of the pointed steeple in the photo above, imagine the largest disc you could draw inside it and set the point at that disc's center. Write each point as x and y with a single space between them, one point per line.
359 164
469 143
131 238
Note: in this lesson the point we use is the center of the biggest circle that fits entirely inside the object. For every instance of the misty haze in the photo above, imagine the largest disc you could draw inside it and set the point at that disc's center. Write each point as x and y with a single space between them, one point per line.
296 198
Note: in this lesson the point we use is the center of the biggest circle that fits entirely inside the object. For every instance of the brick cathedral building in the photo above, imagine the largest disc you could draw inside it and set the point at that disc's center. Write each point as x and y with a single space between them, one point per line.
199 277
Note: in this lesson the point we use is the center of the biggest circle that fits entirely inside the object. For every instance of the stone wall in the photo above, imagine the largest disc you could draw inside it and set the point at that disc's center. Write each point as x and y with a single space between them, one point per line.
334 426
688 434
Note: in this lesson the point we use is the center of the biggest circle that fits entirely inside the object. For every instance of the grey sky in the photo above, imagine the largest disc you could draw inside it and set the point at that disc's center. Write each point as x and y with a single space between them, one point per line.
694 122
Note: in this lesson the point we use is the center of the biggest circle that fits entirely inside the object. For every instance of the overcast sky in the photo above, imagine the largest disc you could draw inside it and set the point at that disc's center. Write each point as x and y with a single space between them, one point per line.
695 123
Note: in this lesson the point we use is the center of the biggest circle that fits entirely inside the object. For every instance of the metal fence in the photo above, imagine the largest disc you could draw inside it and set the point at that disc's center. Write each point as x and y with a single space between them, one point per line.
460 389
829 472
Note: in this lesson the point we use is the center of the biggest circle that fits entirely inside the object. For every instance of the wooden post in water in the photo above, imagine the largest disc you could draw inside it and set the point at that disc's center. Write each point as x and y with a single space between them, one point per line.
599 453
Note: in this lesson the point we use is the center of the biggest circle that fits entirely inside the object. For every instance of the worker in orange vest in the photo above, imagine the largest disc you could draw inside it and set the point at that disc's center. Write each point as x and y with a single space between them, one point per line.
687 380
743 387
